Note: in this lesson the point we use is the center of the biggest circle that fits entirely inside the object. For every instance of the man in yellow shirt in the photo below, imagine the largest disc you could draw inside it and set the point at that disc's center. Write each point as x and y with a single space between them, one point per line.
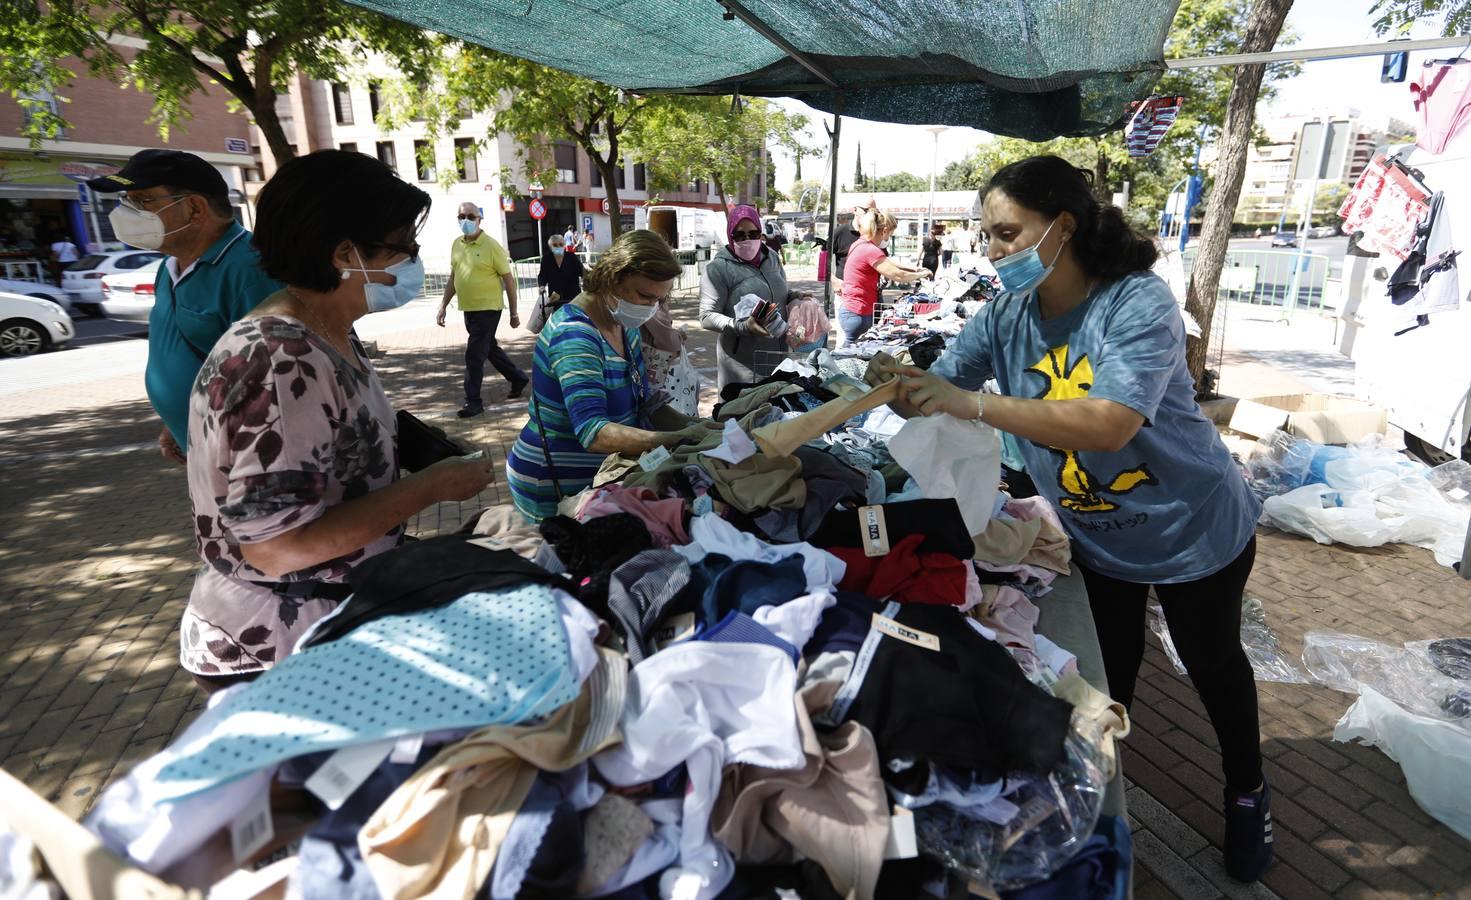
481 276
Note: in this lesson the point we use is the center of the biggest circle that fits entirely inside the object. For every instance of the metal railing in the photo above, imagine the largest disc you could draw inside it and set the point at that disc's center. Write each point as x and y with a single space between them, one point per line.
692 262
1289 279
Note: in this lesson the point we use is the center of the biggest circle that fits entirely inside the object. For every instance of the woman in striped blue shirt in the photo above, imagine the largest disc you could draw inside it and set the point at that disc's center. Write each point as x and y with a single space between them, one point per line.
589 383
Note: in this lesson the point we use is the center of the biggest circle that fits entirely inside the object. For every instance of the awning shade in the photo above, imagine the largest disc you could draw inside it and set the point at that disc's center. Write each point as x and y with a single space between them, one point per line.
1026 68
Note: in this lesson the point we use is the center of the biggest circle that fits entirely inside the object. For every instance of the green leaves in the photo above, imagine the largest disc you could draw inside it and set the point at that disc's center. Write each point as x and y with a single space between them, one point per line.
1399 16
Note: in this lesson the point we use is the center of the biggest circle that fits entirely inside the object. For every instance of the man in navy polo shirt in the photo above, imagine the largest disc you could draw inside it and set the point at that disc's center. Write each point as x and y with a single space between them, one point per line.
179 204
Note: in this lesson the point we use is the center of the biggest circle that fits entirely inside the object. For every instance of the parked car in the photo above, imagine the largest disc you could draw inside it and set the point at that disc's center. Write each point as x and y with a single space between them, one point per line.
1323 231
129 295
1284 239
29 325
35 289
83 278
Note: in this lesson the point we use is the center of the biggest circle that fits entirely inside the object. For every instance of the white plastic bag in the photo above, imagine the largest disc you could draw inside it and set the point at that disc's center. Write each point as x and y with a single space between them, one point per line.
1432 753
950 457
1329 516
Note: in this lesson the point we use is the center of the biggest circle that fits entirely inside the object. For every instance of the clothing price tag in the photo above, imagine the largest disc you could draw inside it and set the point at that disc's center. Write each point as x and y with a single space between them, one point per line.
875 533
902 843
704 505
677 627
345 770
406 749
1457 494
905 633
1033 813
253 828
654 459
489 543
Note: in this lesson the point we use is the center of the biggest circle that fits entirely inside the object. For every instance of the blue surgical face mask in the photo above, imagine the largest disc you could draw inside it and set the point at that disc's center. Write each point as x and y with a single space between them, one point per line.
1023 271
383 297
468 226
558 250
633 315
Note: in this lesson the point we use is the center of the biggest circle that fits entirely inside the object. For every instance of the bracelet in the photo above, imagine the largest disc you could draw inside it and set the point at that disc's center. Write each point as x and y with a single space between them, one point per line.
980 404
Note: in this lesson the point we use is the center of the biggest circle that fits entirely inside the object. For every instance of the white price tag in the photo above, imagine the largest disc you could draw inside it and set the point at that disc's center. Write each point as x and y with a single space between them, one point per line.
654 459
253 828
345 770
902 843
406 750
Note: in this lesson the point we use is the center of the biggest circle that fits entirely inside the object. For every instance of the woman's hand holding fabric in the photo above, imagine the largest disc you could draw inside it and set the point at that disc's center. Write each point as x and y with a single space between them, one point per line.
932 395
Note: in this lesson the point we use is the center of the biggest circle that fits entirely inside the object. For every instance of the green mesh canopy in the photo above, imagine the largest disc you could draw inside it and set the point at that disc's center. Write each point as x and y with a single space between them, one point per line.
1032 69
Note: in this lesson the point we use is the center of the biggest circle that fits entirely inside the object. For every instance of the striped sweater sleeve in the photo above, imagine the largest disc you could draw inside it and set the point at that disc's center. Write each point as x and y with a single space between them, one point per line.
576 356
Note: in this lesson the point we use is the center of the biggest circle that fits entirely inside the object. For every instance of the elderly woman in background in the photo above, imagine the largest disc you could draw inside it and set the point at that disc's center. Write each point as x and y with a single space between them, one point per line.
293 466
590 389
745 265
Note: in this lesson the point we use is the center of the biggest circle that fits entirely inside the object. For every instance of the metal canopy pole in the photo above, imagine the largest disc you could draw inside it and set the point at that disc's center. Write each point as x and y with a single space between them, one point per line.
832 212
735 10
1345 51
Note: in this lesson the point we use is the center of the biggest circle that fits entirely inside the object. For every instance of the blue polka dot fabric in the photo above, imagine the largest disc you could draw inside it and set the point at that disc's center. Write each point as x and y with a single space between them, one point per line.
485 659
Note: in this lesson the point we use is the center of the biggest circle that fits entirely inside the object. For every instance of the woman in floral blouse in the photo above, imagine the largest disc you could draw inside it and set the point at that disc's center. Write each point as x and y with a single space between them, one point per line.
293 468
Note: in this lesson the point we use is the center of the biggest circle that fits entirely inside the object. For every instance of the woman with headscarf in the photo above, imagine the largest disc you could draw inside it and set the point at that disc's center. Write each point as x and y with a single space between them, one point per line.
744 266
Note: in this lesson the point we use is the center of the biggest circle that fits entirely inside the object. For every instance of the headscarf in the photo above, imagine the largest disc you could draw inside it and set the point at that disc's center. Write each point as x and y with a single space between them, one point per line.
739 213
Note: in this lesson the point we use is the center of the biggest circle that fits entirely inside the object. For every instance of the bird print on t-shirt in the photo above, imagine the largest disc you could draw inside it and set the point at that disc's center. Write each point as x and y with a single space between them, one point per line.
1082 491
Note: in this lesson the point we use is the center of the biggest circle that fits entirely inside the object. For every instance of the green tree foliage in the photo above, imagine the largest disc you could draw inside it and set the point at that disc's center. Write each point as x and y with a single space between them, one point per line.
809 195
249 47
682 138
1399 16
902 181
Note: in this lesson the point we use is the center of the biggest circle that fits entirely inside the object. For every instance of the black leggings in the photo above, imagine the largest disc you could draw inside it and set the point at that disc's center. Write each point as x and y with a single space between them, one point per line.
1204 618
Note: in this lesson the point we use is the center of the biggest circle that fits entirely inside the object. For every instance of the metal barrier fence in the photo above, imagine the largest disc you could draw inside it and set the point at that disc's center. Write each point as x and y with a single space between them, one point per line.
1284 278
692 261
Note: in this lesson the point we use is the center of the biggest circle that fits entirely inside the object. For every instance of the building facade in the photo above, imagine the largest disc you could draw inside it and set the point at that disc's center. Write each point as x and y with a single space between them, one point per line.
1298 159
42 198
319 114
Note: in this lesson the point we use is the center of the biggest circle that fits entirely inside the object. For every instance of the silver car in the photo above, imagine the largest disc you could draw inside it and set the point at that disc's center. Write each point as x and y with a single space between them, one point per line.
29 325
129 295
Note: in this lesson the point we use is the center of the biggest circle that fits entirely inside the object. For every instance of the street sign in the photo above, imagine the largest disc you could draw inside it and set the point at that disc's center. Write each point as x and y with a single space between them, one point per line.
237 145
508 205
606 207
537 209
536 186
587 223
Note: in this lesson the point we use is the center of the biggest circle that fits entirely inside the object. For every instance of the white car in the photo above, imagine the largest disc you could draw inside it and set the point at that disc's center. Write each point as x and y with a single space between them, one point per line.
29 325
83 278
33 289
129 295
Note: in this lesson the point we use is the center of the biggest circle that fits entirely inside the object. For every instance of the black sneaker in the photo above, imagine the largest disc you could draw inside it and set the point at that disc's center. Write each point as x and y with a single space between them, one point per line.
518 390
1248 833
470 409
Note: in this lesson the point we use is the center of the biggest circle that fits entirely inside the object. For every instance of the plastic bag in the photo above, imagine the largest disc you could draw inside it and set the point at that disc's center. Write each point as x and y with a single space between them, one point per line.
1424 517
1406 675
1432 753
1280 464
807 325
1329 516
1453 480
1058 814
1268 662
952 458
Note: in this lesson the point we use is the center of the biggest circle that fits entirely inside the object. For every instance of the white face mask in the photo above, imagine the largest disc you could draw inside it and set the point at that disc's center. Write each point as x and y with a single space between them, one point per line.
633 315
140 228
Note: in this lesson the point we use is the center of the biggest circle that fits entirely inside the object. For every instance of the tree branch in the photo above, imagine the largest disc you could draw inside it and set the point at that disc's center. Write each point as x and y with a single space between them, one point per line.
139 12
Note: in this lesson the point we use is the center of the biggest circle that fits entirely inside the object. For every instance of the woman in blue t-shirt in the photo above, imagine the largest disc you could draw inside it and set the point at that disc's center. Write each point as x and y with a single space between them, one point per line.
1088 347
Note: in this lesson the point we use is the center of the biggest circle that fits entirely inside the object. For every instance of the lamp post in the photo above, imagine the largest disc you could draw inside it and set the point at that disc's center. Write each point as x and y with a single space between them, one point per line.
934 165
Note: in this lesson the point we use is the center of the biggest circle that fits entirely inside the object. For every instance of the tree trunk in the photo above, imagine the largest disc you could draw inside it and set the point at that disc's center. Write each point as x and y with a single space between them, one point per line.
1100 176
798 154
607 167
1263 25
270 127
720 191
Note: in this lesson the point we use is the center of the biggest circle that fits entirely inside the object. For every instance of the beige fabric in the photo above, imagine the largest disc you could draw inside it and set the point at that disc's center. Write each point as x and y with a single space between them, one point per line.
784 437
832 810
612 832
438 834
754 398
1107 717
1051 550
506 524
1006 542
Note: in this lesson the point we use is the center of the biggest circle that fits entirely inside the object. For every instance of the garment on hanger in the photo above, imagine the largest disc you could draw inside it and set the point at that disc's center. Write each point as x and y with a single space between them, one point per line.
1386 205
1441 92
1150 122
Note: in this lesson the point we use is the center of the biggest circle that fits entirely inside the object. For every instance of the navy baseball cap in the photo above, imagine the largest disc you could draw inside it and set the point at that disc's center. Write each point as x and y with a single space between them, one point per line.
173 168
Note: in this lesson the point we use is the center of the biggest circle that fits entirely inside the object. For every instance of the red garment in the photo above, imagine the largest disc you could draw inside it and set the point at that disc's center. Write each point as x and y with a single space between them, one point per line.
904 574
860 278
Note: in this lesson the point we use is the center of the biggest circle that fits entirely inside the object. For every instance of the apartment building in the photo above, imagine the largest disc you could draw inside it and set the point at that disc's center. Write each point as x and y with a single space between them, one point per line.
42 197
318 114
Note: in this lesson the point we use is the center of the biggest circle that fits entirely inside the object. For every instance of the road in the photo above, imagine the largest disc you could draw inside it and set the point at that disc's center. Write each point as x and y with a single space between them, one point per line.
1335 248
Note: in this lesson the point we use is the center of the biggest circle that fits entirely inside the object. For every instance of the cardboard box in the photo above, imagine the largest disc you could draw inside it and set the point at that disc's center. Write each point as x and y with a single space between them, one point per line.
1325 418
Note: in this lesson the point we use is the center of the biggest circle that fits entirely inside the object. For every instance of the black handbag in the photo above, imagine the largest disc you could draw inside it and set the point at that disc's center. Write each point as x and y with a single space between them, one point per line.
421 445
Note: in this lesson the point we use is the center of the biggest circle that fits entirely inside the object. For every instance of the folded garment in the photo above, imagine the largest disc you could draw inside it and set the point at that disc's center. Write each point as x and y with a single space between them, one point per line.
833 809
1005 542
943 694
938 521
905 574
665 519
1051 549
424 574
509 528
438 834
484 659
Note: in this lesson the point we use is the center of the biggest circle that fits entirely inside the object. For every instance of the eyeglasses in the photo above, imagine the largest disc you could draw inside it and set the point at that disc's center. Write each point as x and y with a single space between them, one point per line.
745 235
411 249
462 217
144 204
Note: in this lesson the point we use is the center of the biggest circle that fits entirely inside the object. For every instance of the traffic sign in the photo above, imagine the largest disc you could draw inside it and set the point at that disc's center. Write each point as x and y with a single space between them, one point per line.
508 204
606 207
587 223
536 186
537 209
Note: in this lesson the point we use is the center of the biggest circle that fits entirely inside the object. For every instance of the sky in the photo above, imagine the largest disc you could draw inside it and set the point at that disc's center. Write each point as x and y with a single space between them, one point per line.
1328 85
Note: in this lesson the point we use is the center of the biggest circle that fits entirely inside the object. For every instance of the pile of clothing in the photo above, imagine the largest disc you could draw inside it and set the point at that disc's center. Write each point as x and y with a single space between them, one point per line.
723 673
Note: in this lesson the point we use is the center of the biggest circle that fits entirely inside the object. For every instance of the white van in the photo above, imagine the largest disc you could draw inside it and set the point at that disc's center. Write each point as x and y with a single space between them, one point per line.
684 227
1422 376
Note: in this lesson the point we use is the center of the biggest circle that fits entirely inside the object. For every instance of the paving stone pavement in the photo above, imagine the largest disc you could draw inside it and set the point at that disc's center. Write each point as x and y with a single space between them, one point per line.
97 559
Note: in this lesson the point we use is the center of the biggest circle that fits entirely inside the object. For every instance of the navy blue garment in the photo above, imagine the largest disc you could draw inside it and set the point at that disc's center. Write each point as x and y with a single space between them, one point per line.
1099 871
718 586
739 628
542 855
843 625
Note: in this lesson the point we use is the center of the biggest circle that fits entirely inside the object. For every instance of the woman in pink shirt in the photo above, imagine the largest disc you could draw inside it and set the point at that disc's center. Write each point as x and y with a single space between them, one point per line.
866 262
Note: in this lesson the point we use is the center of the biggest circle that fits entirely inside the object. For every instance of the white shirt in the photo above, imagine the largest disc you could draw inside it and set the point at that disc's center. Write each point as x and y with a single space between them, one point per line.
65 251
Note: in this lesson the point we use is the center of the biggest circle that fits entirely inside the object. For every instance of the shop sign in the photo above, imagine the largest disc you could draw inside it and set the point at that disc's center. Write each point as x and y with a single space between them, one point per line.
237 145
508 205
80 171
